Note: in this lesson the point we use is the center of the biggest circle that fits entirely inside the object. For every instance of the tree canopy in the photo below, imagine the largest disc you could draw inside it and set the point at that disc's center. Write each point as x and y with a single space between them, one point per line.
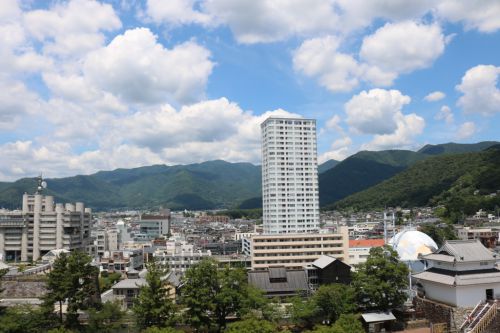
381 282
153 307
73 279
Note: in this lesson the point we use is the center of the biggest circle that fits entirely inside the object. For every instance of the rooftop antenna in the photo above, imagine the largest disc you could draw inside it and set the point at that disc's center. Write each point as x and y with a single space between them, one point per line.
42 184
385 227
393 224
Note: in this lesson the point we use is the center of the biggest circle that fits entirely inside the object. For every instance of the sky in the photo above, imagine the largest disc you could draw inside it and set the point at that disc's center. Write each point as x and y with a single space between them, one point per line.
97 85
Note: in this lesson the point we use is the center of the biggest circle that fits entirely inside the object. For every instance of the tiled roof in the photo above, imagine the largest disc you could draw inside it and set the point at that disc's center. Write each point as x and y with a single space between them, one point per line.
465 250
492 276
367 242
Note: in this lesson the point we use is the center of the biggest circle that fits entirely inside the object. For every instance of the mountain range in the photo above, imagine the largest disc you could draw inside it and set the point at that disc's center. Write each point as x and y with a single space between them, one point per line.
219 184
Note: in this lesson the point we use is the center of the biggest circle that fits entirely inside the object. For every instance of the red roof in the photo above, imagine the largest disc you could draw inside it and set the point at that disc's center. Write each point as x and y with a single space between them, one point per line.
366 242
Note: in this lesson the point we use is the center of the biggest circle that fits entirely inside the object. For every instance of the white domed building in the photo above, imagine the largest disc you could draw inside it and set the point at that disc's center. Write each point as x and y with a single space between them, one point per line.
409 244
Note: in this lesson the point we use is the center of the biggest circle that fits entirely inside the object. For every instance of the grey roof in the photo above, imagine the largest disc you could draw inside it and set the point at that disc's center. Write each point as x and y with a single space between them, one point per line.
439 257
375 317
464 251
130 284
459 280
296 280
323 261
277 272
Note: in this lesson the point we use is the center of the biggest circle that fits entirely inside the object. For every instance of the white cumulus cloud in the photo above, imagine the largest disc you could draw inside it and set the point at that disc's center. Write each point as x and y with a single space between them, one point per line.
466 130
480 90
72 28
435 96
176 12
140 70
482 15
445 114
376 111
403 47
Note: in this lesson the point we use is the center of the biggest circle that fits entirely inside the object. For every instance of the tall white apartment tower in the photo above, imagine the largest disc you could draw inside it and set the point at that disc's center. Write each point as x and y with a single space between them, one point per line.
290 195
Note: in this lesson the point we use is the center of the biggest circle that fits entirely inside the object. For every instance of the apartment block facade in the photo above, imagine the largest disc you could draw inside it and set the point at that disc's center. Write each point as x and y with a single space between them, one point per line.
42 226
289 176
296 251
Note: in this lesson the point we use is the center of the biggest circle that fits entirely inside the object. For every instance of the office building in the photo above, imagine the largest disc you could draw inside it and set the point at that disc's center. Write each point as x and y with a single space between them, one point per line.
153 226
289 176
42 226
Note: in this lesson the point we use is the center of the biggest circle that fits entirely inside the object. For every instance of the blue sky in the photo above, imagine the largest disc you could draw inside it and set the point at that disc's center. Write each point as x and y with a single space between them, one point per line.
97 85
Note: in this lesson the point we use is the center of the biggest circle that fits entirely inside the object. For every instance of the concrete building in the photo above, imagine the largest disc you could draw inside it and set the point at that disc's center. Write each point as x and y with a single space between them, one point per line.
106 239
153 226
42 226
123 260
359 249
297 250
290 195
181 260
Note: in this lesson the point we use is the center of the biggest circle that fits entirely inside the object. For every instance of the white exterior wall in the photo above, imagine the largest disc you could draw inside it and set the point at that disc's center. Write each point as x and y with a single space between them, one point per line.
461 296
440 293
358 255
469 296
462 266
289 176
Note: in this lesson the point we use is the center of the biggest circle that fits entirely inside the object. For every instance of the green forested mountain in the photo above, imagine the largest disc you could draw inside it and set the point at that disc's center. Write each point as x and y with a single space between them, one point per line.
456 148
463 182
323 167
214 184
219 184
361 171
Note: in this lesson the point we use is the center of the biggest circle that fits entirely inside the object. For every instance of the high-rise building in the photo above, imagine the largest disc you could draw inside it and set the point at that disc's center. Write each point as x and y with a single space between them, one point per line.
290 195
42 226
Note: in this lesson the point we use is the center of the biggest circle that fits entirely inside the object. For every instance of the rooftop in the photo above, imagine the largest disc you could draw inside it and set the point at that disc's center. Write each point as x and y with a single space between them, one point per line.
462 251
367 242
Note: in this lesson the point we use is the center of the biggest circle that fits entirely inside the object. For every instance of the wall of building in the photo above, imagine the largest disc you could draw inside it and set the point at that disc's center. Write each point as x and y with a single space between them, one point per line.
469 296
297 250
440 293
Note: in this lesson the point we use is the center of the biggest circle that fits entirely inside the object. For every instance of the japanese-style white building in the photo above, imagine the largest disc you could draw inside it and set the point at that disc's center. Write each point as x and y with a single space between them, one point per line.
461 273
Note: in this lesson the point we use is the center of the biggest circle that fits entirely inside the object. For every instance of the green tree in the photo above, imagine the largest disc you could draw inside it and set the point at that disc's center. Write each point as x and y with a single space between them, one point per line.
303 312
73 279
382 281
439 233
153 307
108 319
334 300
210 295
155 329
24 319
251 325
349 323
345 324
2 274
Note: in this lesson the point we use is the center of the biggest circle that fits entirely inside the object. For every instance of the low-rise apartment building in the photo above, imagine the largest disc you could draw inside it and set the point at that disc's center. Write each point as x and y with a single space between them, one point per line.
297 250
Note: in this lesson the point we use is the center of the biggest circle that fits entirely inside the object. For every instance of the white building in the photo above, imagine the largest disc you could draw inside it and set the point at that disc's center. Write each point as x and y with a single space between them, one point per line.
181 261
289 176
42 226
461 273
359 250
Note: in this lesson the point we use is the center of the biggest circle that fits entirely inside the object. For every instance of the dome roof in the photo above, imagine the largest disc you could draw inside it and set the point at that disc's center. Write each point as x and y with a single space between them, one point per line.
410 243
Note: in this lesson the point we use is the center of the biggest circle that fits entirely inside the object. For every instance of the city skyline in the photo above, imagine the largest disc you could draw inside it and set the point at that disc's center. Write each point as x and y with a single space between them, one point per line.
99 85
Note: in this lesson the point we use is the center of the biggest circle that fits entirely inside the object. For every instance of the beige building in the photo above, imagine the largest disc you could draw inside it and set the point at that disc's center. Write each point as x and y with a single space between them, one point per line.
297 250
42 226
